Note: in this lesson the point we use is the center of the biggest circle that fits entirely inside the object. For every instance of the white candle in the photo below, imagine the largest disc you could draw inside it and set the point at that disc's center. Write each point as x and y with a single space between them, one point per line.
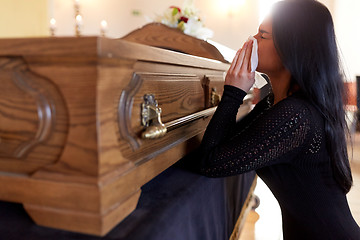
78 19
78 24
52 26
52 23
103 27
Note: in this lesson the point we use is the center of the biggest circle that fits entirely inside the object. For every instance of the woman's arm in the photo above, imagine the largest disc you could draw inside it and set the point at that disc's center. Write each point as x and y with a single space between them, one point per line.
270 136
277 132
224 118
238 81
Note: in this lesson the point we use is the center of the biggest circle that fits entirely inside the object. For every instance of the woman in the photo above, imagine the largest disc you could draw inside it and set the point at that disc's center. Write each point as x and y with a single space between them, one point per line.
295 138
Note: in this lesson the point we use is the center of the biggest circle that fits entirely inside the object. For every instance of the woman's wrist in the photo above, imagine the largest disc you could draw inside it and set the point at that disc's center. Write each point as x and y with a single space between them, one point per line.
233 92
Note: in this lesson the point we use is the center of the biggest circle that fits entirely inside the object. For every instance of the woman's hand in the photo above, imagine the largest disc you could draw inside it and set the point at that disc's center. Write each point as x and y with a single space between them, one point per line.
239 74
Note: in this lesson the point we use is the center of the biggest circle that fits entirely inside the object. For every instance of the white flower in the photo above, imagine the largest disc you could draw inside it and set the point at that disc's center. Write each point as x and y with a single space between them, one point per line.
169 18
186 20
195 28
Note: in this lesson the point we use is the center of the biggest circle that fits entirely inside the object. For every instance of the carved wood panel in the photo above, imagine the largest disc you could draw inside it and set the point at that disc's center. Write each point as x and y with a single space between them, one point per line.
178 95
33 118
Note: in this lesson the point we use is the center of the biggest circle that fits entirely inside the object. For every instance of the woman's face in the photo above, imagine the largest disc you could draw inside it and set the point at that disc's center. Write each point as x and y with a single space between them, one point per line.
269 60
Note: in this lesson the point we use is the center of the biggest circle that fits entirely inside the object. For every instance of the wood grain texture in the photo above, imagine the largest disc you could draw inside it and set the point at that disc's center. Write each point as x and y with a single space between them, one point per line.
152 35
109 48
33 122
54 194
178 95
83 222
77 84
53 48
76 103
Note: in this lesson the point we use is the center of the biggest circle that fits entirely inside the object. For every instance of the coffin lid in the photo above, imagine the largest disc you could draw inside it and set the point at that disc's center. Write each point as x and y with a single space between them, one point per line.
162 36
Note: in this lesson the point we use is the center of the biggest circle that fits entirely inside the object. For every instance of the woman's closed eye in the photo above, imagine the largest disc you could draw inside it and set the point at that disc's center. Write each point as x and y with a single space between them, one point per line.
265 35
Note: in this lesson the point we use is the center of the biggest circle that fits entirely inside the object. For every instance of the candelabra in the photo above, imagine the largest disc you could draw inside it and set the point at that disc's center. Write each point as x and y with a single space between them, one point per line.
78 18
78 22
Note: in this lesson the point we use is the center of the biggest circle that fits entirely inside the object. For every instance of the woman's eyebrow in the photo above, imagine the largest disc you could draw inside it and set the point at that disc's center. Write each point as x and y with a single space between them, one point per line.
263 31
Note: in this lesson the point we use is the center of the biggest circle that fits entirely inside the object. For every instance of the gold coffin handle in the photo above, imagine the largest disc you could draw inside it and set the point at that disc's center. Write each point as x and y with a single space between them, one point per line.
151 119
214 97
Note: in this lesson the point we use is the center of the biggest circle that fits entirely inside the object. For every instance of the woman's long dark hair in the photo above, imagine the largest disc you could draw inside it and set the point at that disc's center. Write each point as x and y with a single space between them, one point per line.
303 33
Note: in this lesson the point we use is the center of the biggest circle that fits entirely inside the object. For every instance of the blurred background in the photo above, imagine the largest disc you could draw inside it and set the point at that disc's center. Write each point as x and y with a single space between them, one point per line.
231 20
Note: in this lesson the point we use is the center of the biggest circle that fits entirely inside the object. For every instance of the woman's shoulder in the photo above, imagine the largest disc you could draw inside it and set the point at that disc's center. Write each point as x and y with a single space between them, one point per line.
298 103
296 100
296 106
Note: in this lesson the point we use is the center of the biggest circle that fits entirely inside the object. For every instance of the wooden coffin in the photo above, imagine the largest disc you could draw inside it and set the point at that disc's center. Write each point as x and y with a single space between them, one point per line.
72 124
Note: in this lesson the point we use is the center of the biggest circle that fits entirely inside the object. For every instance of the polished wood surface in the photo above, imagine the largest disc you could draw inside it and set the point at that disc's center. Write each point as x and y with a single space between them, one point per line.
70 128
152 34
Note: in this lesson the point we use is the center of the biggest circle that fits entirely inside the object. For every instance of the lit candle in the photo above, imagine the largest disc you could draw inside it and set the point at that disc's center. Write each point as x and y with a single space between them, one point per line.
78 19
52 26
103 28
78 24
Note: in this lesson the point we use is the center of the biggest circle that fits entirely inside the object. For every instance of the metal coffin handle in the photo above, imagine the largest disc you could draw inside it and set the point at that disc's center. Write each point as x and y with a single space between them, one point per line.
151 118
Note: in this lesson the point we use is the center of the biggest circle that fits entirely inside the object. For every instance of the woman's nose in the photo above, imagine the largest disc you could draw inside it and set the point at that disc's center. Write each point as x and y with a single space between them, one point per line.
257 36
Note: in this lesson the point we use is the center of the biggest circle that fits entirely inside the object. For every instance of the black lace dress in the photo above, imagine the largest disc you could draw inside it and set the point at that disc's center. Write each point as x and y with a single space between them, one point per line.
285 144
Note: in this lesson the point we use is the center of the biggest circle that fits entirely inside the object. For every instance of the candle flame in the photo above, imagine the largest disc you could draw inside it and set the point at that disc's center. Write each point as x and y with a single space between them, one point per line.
52 21
78 18
103 24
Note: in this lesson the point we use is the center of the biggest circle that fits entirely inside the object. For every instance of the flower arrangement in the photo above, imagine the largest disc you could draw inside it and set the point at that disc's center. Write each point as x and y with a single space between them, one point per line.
187 20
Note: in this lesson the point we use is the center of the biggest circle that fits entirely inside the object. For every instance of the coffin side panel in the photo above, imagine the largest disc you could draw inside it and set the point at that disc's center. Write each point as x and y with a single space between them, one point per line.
33 118
76 79
177 94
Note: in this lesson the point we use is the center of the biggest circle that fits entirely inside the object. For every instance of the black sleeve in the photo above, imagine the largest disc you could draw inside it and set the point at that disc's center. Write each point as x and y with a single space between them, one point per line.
277 131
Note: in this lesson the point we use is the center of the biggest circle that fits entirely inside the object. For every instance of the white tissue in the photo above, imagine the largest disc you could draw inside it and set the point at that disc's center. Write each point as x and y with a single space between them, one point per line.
254 54
259 80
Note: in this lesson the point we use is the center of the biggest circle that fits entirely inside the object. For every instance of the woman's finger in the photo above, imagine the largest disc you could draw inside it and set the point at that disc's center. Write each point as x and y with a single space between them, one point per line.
240 60
232 66
236 58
